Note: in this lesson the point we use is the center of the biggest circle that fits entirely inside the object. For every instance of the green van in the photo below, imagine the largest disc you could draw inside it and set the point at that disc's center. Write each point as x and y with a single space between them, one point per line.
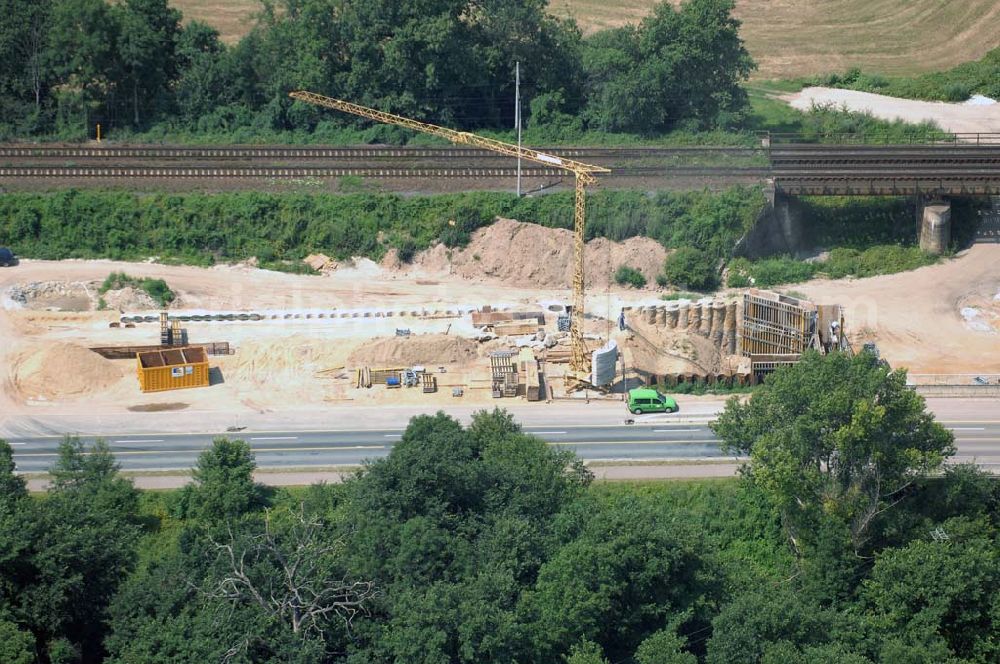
646 400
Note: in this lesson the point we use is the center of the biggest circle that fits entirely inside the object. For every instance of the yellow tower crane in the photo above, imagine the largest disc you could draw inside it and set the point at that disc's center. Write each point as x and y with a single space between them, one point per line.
584 175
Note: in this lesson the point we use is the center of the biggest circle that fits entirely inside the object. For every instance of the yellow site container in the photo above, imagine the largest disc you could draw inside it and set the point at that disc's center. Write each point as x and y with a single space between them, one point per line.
172 369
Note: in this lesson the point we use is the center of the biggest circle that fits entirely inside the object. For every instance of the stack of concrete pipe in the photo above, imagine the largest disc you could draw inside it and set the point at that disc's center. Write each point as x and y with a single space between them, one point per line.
712 319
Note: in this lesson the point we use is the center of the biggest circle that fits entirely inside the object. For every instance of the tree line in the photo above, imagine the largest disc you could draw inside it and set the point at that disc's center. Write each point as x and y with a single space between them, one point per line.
845 542
66 65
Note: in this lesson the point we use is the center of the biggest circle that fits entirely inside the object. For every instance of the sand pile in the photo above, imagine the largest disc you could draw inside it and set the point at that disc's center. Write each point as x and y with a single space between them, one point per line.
284 363
428 350
61 370
522 254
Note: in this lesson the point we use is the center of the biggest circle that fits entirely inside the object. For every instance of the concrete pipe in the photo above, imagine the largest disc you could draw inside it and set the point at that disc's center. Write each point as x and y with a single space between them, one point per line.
683 314
661 317
694 317
649 315
718 321
706 319
734 314
672 316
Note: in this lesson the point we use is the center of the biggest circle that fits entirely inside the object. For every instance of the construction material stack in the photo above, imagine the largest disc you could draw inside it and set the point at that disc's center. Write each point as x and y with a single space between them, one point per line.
504 374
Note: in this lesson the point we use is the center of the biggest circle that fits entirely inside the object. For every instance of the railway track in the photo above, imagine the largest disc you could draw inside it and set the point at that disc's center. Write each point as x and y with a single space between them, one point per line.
375 152
66 172
795 168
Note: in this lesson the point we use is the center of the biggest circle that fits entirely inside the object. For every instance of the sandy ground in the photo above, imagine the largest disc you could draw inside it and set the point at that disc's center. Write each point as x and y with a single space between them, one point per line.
939 319
916 318
958 118
280 367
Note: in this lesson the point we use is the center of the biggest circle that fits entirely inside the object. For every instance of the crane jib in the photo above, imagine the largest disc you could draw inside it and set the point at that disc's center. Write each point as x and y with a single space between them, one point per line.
580 364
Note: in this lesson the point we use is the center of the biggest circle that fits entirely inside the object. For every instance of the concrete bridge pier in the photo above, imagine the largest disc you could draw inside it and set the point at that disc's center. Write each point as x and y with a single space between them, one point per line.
934 224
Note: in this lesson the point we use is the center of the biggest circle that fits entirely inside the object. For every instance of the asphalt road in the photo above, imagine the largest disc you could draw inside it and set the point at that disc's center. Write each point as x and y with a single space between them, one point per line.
977 440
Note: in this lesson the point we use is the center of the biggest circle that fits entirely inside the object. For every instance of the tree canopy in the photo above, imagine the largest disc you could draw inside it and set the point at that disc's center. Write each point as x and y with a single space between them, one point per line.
70 64
480 543
835 436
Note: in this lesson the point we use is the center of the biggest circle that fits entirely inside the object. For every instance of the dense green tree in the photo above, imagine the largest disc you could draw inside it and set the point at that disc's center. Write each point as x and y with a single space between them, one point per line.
946 590
664 647
25 72
745 629
62 558
147 49
223 487
12 485
83 38
835 436
585 652
617 581
677 67
689 267
16 645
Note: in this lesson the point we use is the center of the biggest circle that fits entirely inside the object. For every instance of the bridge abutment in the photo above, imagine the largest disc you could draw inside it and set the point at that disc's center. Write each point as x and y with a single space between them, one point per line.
934 224
779 228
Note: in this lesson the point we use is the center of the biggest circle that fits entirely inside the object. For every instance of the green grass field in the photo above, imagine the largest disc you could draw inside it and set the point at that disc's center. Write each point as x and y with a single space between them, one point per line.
788 38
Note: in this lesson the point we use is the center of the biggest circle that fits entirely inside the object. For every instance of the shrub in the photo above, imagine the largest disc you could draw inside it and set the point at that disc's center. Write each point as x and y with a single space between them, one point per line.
692 268
155 288
680 295
629 276
768 272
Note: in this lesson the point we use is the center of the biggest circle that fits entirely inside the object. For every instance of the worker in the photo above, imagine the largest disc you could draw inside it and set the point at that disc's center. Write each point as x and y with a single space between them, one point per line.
621 320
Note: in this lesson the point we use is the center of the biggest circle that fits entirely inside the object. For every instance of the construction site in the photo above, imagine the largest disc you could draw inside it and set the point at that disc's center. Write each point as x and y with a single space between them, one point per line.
522 312
369 334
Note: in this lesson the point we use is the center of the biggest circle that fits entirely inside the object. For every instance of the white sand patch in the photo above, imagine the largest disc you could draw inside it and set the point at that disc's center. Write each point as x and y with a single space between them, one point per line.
959 118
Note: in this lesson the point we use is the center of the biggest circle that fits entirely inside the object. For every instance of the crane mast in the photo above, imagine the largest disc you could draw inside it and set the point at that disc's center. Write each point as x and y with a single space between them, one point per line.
583 176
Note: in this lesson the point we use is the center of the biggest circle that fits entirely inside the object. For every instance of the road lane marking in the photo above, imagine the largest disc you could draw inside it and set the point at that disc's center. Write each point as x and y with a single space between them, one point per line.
144 440
545 433
277 438
255 449
968 428
393 435
639 442
17 443
672 430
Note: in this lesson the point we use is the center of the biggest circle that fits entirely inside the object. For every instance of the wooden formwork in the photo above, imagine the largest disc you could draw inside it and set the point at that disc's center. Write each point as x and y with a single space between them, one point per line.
776 324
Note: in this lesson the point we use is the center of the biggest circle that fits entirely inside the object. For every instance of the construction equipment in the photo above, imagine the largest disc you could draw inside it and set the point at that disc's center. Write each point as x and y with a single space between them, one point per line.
583 173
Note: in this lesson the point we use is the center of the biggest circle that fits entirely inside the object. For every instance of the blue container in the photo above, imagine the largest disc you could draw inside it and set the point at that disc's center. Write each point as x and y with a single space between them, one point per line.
392 381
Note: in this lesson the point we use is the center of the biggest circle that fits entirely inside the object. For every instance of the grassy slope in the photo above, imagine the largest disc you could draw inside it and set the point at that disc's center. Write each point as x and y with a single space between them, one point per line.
788 38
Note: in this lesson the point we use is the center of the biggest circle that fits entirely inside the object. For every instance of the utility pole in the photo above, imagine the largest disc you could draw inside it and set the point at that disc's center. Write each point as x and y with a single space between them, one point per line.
517 121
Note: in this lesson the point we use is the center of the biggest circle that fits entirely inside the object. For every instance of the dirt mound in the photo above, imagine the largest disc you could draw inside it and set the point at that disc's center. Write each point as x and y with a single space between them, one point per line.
130 299
429 350
54 295
61 370
522 254
661 351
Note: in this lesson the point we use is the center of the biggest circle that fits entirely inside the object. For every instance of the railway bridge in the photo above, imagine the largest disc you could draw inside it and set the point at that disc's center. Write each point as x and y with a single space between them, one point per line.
932 173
